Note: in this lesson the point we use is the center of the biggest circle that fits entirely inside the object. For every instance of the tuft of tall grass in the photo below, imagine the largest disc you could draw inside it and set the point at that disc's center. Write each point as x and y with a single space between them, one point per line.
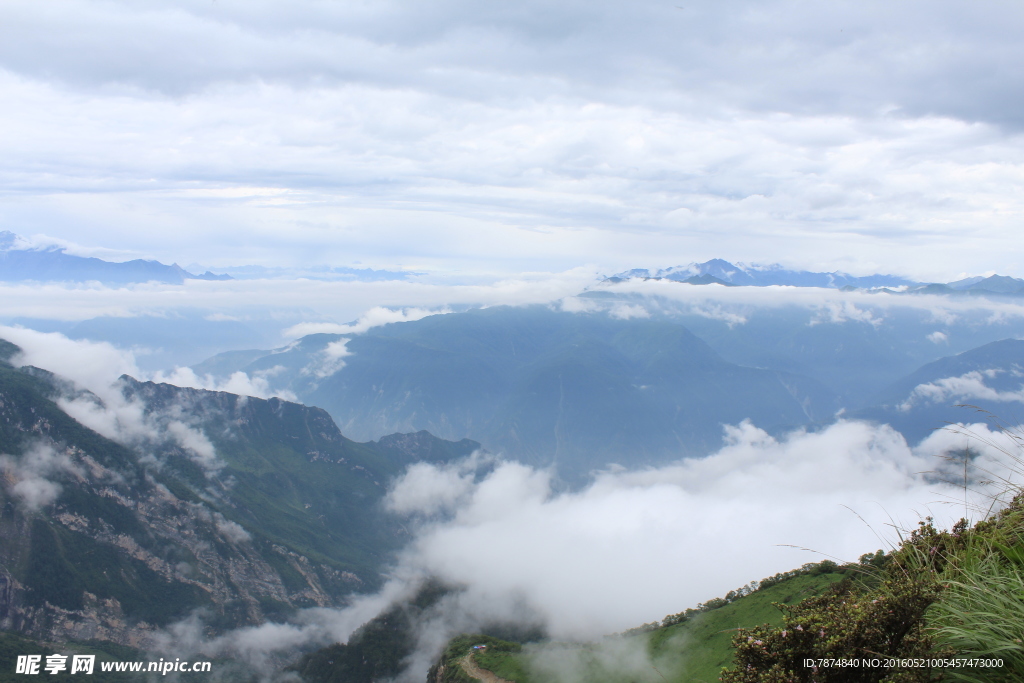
981 610
981 615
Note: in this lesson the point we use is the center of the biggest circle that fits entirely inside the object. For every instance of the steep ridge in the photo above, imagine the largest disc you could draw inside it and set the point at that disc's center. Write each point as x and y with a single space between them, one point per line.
107 540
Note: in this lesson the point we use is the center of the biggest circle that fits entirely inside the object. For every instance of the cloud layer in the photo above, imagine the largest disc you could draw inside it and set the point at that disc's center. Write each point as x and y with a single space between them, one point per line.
498 139
633 546
969 386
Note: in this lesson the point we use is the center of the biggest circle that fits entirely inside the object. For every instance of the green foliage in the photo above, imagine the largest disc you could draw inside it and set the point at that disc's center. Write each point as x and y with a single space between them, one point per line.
28 413
941 594
501 660
809 569
694 648
698 648
981 613
295 482
498 657
309 497
62 565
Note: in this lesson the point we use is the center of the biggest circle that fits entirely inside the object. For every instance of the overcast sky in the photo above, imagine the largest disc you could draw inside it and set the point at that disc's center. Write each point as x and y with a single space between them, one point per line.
499 137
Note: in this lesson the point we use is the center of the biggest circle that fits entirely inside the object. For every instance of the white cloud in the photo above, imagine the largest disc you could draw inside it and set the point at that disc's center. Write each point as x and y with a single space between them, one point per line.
259 646
427 489
230 531
320 299
634 546
477 138
830 305
328 360
718 313
196 443
578 304
88 364
98 402
375 317
627 311
29 477
844 311
969 386
938 337
237 383
671 537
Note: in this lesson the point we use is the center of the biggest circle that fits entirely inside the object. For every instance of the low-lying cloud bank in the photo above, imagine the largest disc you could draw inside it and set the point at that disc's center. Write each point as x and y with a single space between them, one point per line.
634 546
734 304
30 477
969 386
337 302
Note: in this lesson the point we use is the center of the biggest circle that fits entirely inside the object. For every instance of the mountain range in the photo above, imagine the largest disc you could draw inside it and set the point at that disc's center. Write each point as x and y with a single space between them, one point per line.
247 509
586 390
18 263
538 385
21 262
718 271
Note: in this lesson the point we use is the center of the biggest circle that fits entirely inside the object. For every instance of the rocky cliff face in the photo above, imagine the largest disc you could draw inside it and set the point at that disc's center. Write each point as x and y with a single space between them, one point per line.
240 508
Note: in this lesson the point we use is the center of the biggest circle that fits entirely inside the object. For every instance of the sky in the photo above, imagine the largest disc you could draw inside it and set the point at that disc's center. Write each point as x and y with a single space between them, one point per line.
485 140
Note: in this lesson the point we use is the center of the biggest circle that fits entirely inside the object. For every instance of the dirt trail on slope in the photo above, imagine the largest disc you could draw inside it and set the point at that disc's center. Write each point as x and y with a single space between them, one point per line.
469 665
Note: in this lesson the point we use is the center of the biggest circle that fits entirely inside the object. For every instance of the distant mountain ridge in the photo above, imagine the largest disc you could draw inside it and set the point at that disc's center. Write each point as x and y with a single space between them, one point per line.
538 385
719 271
984 384
53 264
755 275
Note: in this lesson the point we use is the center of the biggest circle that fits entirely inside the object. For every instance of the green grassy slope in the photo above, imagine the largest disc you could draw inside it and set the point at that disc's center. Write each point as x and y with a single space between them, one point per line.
702 646
501 657
942 595
692 651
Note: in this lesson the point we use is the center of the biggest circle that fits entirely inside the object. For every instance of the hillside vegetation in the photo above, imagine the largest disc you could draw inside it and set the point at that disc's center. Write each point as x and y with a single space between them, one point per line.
693 645
945 605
